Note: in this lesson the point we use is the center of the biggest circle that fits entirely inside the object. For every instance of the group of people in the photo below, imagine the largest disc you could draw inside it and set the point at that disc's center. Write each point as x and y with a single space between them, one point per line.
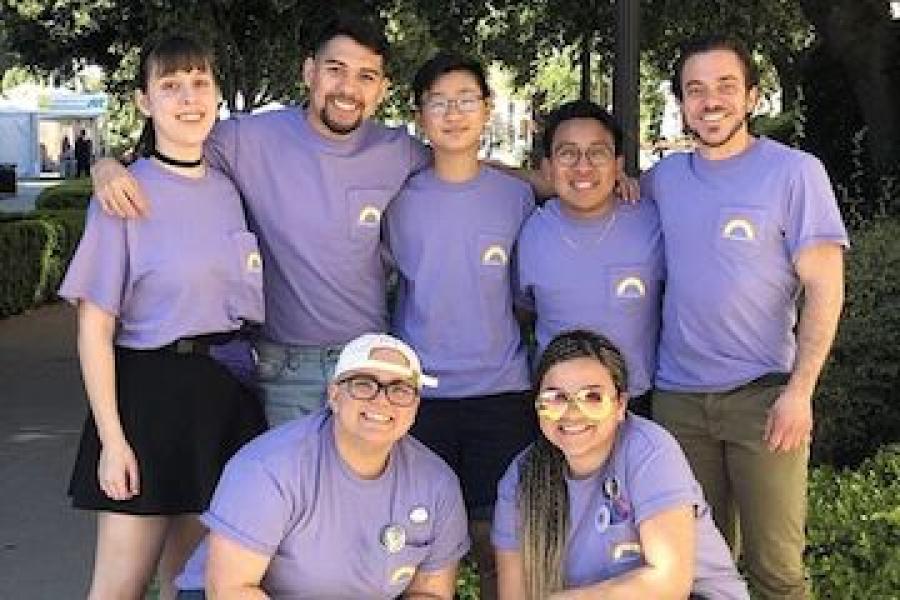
404 436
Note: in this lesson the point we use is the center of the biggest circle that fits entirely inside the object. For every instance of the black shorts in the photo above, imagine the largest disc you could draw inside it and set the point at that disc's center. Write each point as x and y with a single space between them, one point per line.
184 416
478 437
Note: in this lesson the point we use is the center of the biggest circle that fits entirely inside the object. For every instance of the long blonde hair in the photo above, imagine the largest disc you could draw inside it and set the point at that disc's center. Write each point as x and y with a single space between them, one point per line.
542 495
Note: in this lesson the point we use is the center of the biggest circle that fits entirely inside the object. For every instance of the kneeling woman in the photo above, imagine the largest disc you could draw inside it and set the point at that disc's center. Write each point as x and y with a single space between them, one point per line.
339 504
604 504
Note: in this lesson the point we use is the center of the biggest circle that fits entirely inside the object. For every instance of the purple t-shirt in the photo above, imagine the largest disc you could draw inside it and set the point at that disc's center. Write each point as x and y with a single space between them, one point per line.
452 244
604 541
732 230
316 205
189 268
600 274
289 495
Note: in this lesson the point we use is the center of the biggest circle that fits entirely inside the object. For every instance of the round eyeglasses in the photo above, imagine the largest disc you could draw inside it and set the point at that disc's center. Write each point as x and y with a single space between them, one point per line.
597 155
398 393
440 106
595 402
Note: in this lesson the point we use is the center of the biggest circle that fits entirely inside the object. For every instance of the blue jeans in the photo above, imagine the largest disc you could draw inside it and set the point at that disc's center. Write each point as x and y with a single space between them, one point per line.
292 379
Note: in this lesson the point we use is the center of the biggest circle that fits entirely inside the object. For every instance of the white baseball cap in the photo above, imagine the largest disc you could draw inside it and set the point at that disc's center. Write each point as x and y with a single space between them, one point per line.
357 354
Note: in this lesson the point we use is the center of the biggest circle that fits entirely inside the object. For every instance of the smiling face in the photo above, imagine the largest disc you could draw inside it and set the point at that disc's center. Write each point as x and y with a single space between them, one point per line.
585 442
346 84
182 105
585 188
454 113
716 102
372 425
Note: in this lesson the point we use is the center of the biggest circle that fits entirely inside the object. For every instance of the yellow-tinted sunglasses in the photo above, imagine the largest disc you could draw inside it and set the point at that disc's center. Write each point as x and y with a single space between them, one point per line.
595 402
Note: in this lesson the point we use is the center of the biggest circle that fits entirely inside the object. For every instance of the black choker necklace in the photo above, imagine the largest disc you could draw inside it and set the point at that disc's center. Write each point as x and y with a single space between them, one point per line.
168 160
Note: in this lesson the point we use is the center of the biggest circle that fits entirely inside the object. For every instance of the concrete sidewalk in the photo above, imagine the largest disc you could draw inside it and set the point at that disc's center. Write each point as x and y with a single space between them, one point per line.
27 191
46 547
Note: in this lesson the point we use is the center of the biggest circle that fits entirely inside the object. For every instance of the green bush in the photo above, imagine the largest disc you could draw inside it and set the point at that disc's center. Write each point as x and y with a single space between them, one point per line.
30 263
35 250
856 405
69 194
853 530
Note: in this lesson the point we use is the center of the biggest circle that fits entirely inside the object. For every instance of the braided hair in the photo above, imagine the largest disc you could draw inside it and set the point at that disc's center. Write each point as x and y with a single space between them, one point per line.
542 495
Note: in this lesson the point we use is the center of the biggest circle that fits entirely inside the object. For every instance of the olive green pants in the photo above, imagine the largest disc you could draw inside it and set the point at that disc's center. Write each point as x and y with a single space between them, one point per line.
758 497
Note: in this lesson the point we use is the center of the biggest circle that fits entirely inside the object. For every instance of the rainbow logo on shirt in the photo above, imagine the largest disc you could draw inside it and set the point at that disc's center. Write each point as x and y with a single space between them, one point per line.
402 574
494 255
740 230
631 287
253 263
369 216
627 550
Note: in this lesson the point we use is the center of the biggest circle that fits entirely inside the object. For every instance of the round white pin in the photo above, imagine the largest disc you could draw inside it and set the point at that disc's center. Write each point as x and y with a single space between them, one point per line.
393 538
418 515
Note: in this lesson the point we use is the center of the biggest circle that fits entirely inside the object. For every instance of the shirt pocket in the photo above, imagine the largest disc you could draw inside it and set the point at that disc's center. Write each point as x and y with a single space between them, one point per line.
400 567
246 299
365 207
492 254
622 548
741 231
633 288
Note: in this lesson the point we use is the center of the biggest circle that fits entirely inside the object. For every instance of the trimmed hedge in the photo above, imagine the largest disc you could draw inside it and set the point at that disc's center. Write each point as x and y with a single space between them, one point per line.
853 530
35 250
857 409
69 194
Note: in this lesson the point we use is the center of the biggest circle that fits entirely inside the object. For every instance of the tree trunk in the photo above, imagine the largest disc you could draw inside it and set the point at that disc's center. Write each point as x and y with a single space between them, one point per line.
585 61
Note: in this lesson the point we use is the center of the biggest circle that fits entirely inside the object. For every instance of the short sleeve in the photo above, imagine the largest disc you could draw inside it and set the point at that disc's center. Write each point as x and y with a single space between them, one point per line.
505 528
250 506
451 537
659 477
523 263
99 270
221 147
811 215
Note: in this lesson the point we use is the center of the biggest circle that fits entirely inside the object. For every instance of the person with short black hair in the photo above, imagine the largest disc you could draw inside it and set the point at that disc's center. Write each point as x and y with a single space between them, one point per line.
586 258
451 233
83 152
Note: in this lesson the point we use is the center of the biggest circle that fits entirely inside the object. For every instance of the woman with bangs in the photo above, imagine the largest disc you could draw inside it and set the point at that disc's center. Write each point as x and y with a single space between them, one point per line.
603 504
160 303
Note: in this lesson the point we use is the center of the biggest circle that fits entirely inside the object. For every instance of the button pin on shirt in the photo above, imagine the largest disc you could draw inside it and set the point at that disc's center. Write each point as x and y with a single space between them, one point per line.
603 518
418 515
253 262
393 538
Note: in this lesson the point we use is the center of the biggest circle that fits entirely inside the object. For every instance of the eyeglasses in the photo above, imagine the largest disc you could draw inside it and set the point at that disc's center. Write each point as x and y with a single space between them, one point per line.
595 402
569 155
438 107
398 393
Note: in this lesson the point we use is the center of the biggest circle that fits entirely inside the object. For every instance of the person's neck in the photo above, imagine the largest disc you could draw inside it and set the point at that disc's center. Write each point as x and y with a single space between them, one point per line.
185 154
600 212
457 167
364 460
324 131
739 144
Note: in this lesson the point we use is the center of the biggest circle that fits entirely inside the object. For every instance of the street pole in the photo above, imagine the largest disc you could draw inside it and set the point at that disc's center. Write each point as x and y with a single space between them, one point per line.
626 101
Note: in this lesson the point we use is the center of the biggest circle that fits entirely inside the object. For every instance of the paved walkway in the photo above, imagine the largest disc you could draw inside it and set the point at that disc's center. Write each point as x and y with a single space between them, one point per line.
46 547
27 191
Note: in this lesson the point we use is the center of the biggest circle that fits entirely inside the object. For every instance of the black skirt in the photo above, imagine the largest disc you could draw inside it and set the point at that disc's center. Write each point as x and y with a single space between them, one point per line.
184 416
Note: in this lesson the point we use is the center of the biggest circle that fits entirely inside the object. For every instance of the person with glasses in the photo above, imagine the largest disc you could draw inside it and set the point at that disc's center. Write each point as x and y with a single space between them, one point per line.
338 504
451 232
588 259
603 504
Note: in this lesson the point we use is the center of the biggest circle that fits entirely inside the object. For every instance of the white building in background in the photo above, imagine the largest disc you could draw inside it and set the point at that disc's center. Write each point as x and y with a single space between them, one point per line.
34 120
